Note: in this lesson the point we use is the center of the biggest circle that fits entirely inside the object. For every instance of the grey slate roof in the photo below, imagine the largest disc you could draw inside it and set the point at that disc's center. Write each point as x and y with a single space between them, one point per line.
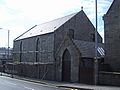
46 27
87 49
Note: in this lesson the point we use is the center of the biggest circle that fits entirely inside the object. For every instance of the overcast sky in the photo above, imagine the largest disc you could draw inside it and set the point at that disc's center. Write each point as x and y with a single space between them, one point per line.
20 15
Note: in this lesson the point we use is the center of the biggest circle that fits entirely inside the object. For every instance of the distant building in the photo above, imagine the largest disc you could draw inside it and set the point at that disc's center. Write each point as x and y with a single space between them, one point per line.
111 72
4 54
112 36
61 50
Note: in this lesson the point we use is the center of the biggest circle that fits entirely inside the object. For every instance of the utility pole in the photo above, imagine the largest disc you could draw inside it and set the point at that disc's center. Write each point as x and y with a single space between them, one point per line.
96 46
8 44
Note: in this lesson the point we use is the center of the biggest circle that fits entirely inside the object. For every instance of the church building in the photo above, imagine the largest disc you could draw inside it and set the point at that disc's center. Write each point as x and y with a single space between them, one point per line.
60 50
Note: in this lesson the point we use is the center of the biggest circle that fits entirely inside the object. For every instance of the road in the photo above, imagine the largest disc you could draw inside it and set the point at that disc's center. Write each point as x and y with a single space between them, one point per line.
7 83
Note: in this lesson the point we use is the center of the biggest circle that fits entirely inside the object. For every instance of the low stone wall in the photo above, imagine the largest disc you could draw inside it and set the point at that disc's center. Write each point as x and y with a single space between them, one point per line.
109 78
40 71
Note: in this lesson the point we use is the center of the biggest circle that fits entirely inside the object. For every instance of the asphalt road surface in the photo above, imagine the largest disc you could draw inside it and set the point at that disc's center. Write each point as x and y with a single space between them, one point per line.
7 83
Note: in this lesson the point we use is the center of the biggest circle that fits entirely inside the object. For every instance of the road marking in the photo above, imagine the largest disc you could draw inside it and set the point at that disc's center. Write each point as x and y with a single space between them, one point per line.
29 88
11 83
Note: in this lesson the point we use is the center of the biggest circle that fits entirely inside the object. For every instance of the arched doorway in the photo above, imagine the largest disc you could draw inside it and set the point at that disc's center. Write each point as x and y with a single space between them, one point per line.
66 66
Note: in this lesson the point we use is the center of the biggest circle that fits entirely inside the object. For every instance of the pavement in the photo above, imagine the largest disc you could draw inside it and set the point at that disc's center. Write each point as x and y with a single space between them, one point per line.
73 86
8 83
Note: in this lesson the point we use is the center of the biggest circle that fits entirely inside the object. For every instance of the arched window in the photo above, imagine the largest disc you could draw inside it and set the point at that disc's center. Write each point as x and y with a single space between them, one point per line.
71 33
37 47
93 37
20 51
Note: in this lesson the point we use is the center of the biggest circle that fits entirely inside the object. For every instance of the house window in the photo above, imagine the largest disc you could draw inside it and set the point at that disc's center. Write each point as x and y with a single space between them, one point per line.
93 37
71 33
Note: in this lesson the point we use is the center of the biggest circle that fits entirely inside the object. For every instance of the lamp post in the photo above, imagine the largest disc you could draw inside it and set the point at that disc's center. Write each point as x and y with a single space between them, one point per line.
96 46
8 44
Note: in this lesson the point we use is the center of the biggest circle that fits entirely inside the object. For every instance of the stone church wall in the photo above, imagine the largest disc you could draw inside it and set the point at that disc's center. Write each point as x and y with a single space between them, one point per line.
28 52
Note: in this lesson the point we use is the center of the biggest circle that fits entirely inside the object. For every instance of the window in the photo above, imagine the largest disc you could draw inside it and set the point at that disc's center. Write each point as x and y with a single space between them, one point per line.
93 37
37 46
71 33
20 51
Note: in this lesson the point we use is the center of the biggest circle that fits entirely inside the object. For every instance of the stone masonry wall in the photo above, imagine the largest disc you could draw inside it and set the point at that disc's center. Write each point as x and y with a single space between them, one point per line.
112 36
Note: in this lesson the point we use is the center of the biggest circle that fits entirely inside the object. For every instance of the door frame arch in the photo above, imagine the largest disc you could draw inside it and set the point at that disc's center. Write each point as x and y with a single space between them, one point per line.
66 66
75 59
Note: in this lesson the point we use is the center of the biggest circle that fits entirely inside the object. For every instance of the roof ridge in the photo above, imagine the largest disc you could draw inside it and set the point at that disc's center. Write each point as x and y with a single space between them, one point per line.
110 6
58 18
